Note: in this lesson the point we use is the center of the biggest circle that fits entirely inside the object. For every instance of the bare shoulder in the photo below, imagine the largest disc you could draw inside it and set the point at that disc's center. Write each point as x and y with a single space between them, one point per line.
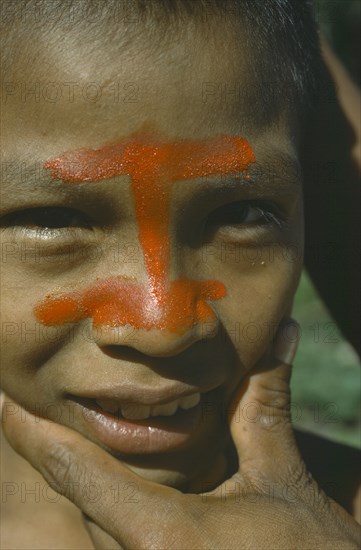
336 468
32 514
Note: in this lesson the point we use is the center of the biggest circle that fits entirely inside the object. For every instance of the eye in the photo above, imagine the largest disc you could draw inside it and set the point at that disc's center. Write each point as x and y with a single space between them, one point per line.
49 218
244 212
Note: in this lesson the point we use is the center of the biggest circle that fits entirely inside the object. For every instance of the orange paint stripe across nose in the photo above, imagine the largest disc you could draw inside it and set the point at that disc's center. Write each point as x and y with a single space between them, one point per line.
153 166
117 302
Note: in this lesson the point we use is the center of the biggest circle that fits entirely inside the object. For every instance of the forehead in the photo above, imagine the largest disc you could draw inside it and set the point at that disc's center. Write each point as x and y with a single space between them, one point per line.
75 94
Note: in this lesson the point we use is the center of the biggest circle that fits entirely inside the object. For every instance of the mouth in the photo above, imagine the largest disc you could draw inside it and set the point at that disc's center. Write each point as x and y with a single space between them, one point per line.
138 428
139 411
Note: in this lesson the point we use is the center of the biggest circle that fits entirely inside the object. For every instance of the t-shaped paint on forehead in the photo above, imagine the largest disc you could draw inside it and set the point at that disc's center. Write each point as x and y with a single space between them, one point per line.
143 153
153 166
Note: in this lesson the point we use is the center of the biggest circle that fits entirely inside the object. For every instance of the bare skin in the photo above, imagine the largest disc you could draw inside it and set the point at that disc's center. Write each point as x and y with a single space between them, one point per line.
40 519
38 371
272 481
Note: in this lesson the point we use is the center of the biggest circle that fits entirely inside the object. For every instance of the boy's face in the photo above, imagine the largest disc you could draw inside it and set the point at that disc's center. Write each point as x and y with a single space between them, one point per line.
100 239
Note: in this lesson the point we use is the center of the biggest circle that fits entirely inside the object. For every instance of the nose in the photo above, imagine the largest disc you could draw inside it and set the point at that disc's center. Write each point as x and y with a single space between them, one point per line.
155 321
154 342
125 313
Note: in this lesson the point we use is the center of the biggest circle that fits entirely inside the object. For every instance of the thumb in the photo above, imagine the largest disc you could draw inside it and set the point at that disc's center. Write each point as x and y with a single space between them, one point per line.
260 416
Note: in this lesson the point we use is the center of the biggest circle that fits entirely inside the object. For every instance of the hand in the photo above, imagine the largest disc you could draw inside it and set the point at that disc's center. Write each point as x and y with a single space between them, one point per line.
271 502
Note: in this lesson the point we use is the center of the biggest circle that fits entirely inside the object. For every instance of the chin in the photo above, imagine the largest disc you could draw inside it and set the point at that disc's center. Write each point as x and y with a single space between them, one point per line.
186 473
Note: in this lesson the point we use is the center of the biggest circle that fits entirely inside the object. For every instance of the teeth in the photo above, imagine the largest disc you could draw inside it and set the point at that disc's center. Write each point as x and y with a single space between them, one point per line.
164 410
190 401
136 411
108 405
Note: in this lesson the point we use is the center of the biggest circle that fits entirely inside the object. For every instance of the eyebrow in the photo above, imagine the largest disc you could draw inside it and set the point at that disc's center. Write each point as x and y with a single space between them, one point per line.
277 169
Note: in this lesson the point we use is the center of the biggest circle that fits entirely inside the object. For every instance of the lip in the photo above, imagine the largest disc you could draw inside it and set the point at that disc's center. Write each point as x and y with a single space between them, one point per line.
141 396
156 434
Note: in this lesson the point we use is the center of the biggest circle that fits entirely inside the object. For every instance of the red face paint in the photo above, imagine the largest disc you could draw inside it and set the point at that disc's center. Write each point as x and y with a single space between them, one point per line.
153 166
118 302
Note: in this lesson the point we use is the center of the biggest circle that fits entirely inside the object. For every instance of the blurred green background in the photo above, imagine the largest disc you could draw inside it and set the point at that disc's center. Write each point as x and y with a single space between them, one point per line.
326 380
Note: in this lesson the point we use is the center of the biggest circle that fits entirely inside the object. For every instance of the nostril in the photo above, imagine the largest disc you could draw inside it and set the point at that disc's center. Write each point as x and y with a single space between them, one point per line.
135 345
125 353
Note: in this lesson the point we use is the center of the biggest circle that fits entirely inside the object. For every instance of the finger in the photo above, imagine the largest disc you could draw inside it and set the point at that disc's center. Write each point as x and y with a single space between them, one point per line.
91 478
100 539
260 417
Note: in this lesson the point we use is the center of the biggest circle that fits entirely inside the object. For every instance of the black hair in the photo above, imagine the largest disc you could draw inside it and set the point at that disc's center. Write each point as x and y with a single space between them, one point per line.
281 34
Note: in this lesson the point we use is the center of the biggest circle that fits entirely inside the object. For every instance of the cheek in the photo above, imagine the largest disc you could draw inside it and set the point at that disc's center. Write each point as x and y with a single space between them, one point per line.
24 342
257 300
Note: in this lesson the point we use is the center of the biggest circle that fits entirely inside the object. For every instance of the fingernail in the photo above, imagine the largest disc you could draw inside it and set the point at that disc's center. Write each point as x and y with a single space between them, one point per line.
2 400
288 336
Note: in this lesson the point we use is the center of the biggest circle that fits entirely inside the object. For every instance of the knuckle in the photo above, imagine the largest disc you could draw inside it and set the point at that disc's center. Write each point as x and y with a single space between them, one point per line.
277 395
60 468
